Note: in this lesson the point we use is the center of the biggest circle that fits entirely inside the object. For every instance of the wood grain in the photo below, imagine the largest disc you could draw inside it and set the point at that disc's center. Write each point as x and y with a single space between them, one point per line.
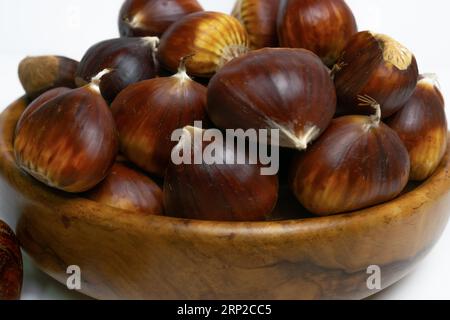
134 257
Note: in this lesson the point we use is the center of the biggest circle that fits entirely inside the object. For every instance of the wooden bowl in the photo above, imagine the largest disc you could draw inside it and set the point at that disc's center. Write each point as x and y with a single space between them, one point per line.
123 256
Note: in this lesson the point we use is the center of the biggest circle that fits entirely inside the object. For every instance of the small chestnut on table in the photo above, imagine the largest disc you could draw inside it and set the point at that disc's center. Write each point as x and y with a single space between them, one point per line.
11 270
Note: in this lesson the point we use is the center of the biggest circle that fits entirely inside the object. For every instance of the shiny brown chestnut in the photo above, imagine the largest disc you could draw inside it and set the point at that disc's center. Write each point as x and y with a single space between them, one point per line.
378 66
151 18
218 191
39 101
215 38
422 126
285 89
42 73
70 142
11 267
322 26
259 17
148 112
128 189
130 59
357 163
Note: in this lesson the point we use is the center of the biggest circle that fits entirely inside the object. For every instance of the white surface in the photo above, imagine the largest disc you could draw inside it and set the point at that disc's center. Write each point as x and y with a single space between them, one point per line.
69 27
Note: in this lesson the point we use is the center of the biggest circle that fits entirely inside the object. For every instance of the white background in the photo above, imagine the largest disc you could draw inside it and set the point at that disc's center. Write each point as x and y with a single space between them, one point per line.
69 27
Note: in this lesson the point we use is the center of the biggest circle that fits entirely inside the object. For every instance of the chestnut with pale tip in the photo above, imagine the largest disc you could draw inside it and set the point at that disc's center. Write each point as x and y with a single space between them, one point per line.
259 17
128 189
219 191
422 126
215 38
378 66
69 143
42 73
322 26
148 112
130 60
357 163
293 92
39 101
151 18
11 266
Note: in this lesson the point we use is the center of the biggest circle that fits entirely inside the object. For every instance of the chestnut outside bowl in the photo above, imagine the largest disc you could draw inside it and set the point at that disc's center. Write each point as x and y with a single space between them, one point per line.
123 256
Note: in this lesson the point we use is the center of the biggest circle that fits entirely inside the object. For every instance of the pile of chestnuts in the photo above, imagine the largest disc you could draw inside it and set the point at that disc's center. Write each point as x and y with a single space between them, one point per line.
356 119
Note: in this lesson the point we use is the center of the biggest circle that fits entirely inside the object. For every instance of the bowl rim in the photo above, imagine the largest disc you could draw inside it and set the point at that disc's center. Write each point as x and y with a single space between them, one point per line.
429 191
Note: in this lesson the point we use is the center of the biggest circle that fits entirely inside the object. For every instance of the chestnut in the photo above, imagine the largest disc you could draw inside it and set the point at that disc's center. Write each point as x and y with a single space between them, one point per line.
39 101
378 66
215 38
42 73
259 18
220 191
422 126
130 59
130 190
285 89
146 18
11 266
148 112
357 163
70 142
322 26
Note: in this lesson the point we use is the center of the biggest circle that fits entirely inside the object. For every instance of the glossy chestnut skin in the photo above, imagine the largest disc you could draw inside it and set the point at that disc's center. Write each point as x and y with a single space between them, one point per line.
70 142
39 101
259 18
11 267
148 112
151 18
322 26
213 38
292 92
217 192
377 66
128 189
422 126
42 73
130 60
355 164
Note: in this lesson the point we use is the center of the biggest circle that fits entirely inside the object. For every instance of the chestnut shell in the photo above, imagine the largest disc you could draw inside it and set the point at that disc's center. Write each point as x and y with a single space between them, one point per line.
11 266
39 101
219 192
42 73
287 89
144 18
377 66
322 26
259 17
128 189
70 142
130 59
148 112
212 38
422 126
353 165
